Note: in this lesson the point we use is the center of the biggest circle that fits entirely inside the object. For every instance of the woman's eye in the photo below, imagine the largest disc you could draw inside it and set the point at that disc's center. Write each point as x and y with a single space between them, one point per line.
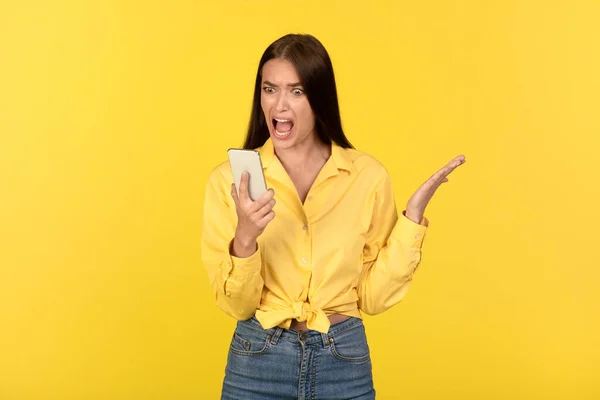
268 89
298 92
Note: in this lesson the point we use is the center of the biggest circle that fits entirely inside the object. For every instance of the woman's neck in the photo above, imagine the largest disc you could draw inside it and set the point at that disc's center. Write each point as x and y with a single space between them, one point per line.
312 152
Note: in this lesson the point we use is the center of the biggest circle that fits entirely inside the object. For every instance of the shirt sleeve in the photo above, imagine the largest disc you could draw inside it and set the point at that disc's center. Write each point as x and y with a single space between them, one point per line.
391 255
237 283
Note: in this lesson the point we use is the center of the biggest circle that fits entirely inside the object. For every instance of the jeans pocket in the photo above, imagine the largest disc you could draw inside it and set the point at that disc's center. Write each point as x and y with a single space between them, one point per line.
249 342
351 346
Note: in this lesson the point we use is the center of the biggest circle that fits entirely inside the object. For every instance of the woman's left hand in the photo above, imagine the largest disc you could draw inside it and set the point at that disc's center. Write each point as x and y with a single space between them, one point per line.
415 208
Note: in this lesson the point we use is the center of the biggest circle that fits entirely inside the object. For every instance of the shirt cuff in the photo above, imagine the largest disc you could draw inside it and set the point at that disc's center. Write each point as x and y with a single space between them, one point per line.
246 265
409 232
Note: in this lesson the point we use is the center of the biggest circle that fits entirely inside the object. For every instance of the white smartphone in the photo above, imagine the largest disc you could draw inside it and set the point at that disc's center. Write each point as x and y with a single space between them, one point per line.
242 160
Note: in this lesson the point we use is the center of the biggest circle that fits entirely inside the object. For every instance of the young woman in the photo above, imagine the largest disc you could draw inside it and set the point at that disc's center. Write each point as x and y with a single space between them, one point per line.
297 267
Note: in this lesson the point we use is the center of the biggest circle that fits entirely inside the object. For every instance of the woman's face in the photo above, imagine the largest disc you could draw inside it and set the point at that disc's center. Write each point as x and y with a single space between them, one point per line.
288 114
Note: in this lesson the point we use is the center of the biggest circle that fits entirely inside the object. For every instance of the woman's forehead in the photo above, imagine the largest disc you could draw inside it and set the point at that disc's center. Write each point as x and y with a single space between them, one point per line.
280 71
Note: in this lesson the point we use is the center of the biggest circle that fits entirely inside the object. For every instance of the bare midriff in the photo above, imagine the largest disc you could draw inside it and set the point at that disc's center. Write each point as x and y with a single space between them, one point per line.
333 319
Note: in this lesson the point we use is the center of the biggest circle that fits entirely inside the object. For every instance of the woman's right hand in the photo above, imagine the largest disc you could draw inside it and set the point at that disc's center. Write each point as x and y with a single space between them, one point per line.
253 217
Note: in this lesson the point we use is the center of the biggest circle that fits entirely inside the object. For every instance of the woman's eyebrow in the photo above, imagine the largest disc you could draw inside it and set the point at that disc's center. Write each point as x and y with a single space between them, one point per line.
289 84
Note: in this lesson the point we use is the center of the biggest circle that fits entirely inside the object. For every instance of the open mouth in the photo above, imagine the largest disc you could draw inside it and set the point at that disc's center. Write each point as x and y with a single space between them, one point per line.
283 127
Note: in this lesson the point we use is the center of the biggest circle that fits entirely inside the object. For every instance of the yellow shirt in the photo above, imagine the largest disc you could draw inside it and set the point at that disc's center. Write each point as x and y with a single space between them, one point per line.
345 250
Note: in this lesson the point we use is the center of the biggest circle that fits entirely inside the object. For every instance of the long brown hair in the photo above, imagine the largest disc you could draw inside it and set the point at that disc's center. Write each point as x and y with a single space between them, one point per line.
315 70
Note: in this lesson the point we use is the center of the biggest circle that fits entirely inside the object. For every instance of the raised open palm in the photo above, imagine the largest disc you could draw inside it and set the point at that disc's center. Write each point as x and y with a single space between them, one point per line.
415 208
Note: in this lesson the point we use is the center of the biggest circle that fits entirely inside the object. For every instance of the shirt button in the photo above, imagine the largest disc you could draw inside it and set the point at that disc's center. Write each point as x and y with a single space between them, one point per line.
417 236
305 227
309 198
304 261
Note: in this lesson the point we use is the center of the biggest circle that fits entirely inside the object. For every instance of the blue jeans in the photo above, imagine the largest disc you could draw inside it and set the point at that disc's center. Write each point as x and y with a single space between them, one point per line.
282 364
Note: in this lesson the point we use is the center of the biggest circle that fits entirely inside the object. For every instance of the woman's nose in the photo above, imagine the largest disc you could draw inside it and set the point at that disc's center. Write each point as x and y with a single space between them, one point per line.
282 104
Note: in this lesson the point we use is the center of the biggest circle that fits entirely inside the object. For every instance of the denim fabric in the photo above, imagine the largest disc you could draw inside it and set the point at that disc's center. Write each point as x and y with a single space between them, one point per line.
286 364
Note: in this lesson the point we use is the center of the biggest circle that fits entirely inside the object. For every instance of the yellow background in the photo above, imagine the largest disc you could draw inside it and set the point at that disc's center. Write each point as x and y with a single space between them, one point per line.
113 113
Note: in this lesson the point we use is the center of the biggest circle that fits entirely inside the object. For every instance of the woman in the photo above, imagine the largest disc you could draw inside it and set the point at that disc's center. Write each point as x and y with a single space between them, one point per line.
297 273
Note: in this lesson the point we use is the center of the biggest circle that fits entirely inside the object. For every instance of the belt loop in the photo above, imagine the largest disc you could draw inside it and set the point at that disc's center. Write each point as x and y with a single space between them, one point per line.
325 339
276 335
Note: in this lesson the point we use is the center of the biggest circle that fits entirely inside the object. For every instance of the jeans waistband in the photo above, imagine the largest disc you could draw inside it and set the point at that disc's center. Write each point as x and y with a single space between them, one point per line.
309 336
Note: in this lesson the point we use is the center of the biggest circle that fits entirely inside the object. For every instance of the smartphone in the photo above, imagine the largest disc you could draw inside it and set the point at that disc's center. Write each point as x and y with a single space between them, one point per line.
242 160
